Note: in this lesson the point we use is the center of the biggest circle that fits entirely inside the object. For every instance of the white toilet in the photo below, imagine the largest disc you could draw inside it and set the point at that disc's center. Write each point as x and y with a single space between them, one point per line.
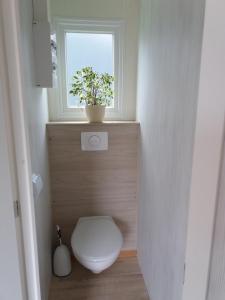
96 242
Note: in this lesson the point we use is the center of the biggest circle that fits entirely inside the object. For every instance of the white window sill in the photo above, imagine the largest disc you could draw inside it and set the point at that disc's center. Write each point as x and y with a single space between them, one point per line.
93 124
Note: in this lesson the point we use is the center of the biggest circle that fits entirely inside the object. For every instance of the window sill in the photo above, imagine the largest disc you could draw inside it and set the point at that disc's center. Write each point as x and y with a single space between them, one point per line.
93 124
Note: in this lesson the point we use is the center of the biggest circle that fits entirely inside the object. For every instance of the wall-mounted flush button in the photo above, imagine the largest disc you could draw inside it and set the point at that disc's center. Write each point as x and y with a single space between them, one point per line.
94 141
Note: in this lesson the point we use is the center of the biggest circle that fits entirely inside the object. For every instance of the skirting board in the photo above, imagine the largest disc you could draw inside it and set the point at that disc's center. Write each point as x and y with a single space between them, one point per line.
128 253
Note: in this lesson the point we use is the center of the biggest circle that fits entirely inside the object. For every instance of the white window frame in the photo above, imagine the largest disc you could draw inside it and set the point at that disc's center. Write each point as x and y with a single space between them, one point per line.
58 108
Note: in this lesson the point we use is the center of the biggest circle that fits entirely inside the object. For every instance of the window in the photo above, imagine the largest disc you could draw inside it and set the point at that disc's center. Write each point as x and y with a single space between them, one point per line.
87 49
82 43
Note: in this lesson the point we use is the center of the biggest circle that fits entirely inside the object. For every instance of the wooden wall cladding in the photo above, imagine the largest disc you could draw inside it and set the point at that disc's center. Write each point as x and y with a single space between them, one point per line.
94 183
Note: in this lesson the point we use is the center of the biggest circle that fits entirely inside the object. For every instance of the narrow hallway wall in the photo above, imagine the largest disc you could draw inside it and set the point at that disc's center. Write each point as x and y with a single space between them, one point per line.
37 111
169 63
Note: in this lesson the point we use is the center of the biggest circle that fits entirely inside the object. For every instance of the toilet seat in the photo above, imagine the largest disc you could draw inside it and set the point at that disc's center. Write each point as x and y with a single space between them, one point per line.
96 239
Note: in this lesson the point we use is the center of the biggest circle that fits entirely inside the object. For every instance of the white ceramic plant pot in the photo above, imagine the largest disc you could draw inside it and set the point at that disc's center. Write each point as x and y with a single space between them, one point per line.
95 113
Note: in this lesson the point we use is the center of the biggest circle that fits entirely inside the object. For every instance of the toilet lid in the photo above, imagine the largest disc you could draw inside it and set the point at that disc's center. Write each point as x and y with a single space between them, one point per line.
96 238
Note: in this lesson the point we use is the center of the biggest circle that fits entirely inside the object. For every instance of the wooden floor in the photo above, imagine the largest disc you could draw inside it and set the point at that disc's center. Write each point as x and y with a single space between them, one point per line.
123 281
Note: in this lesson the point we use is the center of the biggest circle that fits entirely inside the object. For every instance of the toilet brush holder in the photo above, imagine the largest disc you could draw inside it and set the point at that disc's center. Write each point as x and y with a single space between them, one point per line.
61 258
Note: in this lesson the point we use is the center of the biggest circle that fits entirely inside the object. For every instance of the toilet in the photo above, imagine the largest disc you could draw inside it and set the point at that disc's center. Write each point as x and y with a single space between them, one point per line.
96 242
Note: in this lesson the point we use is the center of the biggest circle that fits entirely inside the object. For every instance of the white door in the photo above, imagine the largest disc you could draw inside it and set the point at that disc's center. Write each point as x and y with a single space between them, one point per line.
12 268
12 284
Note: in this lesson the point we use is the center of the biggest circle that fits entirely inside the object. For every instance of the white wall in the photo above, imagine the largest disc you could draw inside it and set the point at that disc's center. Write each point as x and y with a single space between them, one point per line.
216 289
37 111
169 63
209 135
208 173
127 10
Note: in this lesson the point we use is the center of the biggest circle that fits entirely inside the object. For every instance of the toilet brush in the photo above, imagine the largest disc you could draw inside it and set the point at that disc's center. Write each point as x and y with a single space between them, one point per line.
61 258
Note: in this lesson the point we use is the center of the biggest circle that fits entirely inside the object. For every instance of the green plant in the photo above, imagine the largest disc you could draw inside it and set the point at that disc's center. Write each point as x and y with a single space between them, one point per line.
91 87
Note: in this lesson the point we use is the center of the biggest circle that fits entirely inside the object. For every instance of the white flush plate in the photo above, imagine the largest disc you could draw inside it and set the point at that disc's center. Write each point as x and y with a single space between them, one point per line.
94 141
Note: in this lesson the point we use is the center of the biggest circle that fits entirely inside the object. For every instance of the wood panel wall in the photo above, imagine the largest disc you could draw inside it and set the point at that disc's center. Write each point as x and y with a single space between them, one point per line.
94 183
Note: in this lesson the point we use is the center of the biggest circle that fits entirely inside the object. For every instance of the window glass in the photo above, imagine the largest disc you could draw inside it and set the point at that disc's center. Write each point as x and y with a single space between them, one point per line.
87 50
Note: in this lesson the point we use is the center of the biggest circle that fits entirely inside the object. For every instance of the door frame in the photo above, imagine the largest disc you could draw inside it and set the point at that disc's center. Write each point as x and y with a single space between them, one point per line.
207 153
209 127
9 14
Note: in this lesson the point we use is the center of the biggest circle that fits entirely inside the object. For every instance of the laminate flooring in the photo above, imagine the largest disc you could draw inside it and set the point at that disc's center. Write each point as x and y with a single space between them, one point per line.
122 281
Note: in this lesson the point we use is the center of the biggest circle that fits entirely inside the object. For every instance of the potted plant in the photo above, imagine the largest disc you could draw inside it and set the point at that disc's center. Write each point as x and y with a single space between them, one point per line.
93 89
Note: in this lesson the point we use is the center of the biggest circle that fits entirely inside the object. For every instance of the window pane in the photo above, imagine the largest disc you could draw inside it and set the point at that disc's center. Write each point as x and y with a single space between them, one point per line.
87 50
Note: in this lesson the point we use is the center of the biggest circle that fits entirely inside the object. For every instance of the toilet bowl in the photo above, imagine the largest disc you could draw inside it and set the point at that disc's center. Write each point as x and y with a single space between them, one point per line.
96 242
